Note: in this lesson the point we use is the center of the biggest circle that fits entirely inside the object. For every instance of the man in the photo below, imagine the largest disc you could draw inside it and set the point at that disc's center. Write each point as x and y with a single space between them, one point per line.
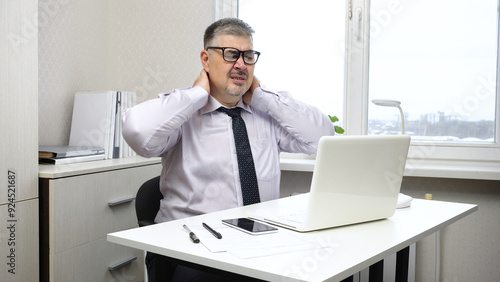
200 157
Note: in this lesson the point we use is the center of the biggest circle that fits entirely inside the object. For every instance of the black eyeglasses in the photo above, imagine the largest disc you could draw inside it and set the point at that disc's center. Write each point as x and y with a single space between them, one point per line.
232 55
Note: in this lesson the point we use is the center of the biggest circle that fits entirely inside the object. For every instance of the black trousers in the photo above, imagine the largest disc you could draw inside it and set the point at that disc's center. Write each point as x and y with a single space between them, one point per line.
159 268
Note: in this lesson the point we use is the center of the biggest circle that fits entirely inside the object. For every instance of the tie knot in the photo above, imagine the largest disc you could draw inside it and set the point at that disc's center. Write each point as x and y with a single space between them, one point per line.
234 112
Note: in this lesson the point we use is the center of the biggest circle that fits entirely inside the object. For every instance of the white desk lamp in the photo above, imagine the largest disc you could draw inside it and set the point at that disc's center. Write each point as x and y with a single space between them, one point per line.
394 104
403 200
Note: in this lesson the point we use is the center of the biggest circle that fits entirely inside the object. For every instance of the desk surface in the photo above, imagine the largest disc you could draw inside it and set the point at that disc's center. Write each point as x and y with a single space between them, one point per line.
352 248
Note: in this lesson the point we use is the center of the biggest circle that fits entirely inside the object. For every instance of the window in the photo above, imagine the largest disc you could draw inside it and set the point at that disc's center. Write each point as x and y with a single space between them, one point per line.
438 58
302 45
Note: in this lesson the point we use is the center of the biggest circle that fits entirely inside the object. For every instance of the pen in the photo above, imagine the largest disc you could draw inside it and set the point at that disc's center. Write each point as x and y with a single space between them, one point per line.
215 233
191 234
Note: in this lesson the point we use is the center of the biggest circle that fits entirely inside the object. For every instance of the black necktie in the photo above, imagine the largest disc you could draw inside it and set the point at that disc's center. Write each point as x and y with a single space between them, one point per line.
246 167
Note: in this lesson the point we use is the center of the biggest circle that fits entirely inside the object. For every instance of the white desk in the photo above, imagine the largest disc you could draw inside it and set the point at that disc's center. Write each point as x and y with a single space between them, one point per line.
353 248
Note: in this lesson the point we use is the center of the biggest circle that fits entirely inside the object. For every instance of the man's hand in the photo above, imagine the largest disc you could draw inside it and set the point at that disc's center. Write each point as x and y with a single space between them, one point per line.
203 81
247 97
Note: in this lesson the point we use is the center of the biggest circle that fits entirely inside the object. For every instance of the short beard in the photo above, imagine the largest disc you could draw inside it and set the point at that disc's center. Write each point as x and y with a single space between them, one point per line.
236 91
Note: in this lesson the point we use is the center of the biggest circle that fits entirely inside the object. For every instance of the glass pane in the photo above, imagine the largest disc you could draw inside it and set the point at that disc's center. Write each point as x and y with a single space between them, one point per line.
438 58
302 48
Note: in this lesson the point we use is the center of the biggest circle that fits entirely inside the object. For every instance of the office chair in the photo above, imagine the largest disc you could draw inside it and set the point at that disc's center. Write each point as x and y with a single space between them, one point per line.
147 201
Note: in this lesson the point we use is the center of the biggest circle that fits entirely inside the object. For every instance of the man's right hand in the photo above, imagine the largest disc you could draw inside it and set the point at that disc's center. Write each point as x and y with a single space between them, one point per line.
203 81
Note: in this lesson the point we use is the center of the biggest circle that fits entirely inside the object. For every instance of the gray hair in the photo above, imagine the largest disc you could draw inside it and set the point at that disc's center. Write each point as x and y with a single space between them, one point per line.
229 26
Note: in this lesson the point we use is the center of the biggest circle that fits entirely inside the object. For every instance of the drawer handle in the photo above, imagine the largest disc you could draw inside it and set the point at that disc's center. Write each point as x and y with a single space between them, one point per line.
119 202
121 263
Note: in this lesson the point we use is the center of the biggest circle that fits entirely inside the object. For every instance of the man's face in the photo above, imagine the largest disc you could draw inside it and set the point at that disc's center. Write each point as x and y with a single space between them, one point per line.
228 80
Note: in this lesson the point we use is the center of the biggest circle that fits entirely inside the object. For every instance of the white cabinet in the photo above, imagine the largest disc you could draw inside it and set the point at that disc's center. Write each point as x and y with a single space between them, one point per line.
19 141
79 205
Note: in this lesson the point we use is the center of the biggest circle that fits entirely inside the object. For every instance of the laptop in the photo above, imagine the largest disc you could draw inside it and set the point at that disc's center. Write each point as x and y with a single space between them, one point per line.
355 179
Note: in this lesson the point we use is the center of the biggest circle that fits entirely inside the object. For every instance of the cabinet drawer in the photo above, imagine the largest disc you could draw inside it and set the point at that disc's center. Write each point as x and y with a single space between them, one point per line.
91 262
80 209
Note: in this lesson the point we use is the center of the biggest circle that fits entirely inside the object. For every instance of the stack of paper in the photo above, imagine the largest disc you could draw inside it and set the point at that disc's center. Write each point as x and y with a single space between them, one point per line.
97 121
69 154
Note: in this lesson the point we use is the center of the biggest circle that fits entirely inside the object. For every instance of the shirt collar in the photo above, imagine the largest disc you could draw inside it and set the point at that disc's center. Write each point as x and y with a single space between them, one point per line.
213 105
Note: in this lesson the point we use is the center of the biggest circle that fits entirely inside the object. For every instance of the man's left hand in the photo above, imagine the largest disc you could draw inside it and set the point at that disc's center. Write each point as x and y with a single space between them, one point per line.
247 97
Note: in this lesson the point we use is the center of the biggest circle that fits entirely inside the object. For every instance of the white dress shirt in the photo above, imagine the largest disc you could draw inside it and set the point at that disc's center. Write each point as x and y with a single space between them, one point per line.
200 169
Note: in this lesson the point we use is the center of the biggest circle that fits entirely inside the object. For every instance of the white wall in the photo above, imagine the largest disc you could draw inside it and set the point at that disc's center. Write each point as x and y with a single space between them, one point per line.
469 247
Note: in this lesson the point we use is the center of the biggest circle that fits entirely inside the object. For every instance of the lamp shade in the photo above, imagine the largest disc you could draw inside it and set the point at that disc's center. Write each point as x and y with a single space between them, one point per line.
386 103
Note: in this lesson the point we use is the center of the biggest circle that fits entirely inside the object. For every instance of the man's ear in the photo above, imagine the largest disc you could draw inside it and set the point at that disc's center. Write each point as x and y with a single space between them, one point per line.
204 56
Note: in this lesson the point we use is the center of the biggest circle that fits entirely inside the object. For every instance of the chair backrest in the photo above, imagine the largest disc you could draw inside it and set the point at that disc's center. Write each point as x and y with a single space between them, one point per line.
147 201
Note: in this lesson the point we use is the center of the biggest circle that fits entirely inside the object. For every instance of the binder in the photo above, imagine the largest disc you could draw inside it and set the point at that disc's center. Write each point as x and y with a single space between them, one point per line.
71 160
97 119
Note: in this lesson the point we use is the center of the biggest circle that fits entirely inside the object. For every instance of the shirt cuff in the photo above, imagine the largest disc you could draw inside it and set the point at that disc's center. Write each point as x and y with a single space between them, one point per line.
198 96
